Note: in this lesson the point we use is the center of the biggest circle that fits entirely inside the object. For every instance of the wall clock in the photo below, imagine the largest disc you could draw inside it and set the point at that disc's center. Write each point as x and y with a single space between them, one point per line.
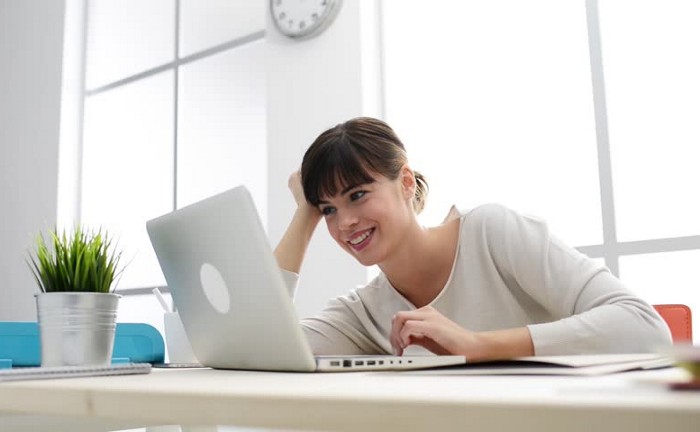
300 19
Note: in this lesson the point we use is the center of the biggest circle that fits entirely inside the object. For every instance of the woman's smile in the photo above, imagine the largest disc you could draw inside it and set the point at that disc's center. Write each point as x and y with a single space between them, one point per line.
361 239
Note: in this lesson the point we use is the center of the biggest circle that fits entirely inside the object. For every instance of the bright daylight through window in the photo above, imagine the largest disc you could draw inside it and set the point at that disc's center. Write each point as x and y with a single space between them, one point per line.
572 111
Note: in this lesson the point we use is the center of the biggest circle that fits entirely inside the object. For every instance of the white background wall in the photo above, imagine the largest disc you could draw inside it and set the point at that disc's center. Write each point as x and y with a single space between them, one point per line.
312 85
31 35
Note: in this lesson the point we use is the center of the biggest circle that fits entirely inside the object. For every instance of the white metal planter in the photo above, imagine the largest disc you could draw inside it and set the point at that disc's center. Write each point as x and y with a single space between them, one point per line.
76 328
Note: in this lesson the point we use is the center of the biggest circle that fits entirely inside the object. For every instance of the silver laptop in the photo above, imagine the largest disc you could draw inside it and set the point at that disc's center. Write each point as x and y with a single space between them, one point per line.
233 302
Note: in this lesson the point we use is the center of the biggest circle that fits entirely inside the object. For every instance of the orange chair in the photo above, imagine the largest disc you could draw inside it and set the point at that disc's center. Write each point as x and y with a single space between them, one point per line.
679 320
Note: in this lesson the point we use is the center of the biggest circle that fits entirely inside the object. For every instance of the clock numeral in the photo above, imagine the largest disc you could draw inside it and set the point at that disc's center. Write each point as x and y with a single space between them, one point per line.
303 18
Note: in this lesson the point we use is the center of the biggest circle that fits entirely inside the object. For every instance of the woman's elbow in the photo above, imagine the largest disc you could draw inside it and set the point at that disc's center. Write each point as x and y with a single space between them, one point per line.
652 334
661 334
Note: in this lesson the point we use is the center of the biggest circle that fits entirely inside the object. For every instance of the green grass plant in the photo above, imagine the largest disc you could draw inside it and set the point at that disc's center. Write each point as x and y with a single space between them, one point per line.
80 261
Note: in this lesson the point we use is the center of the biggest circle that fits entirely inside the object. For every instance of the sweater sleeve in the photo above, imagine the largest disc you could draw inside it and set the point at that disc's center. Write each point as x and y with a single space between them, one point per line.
594 311
290 280
340 329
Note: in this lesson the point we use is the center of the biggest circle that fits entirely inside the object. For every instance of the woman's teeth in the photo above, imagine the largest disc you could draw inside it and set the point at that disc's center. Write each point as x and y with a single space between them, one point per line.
359 239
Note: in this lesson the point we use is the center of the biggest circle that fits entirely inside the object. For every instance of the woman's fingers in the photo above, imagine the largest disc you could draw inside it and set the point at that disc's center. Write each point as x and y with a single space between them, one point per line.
413 332
296 188
422 334
401 330
396 324
428 328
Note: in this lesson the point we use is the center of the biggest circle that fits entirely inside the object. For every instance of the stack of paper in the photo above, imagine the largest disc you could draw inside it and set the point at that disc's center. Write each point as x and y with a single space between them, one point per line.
31 373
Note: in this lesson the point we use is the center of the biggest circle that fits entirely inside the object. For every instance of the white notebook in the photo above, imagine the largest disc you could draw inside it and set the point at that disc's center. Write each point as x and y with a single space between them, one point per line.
581 365
52 372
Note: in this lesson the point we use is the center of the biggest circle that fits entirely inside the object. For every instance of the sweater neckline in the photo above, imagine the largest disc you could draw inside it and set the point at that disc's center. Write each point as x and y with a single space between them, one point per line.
462 216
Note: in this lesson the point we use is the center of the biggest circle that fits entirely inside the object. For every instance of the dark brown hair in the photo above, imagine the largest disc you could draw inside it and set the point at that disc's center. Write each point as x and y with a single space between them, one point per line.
349 154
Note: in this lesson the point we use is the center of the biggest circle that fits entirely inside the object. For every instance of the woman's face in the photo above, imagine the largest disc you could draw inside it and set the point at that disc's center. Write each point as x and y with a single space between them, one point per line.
369 220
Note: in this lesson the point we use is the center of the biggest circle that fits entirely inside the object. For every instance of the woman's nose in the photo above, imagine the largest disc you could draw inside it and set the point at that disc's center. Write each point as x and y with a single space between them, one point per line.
347 220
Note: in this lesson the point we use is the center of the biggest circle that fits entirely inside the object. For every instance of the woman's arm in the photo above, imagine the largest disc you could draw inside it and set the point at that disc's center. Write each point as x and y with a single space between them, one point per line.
430 329
591 310
291 249
594 312
338 329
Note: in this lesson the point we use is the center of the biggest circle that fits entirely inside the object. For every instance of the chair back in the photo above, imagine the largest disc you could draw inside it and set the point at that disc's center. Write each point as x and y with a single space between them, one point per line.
679 320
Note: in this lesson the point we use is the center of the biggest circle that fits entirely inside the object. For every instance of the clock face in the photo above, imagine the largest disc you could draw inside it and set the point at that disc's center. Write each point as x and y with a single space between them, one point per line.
303 18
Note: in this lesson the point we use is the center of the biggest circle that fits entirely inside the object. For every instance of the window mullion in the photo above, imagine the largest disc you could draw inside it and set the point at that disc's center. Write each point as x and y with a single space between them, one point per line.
176 94
602 137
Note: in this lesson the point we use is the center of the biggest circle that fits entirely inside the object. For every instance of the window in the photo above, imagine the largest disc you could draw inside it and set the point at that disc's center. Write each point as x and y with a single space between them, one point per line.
567 110
653 106
174 92
510 105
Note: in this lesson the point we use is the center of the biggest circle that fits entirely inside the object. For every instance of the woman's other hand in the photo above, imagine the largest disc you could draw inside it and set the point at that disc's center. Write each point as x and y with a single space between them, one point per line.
433 331
430 329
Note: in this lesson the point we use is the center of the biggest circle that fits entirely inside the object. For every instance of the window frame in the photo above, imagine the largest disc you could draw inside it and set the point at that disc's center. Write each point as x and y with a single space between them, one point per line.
70 190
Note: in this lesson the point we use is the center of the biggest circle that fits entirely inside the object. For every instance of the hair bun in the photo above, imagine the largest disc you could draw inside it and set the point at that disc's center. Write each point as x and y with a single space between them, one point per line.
421 195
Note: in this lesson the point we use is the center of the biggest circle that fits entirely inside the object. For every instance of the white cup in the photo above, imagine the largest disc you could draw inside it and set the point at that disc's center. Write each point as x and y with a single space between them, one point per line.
176 341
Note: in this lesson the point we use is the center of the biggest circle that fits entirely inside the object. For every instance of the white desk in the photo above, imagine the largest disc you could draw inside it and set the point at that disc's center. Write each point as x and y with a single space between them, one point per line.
356 401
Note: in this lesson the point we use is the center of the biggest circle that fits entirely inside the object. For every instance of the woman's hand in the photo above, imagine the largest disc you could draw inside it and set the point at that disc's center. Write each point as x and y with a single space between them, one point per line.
294 184
306 210
433 331
430 329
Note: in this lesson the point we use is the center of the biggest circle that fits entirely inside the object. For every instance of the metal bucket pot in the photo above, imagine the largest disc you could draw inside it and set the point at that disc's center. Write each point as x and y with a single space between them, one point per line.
77 328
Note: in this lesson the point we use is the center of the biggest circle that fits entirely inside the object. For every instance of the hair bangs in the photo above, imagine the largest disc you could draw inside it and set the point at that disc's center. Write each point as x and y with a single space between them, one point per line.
337 168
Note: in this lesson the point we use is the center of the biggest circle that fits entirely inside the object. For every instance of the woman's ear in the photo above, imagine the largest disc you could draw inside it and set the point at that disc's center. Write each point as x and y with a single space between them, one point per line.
408 182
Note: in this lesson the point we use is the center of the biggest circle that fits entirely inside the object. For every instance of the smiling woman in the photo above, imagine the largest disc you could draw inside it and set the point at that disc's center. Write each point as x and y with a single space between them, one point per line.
488 283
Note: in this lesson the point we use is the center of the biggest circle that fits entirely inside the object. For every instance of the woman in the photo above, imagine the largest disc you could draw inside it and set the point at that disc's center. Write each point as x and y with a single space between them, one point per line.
487 284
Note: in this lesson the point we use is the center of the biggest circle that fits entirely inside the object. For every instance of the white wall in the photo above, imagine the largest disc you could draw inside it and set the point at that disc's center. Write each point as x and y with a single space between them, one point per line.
31 35
312 85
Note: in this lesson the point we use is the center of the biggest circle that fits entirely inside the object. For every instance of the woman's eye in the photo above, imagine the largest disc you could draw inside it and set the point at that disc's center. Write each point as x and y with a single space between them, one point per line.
327 210
357 195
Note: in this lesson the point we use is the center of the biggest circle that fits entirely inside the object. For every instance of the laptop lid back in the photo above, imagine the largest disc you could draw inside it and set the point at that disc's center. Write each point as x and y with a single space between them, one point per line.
227 286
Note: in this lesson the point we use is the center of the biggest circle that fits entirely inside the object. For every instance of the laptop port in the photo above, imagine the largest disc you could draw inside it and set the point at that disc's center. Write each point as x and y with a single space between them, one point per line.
335 363
347 363
371 362
359 363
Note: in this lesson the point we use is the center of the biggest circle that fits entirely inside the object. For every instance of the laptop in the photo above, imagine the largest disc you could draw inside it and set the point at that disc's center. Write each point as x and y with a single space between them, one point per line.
231 296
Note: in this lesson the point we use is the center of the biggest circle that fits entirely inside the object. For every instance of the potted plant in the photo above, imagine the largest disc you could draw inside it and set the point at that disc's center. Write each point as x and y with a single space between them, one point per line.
76 308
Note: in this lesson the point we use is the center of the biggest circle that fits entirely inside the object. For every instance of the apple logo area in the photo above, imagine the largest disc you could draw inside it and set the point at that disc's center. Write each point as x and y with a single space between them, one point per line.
215 288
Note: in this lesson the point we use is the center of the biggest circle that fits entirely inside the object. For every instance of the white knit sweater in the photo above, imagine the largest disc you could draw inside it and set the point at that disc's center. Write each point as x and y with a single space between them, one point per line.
509 272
